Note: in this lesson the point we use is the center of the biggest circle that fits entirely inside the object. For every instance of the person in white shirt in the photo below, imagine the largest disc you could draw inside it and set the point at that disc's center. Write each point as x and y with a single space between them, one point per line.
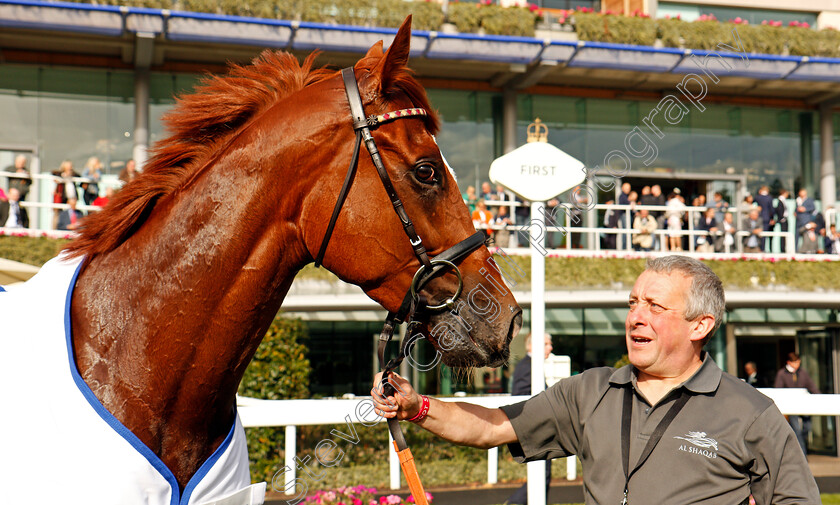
12 215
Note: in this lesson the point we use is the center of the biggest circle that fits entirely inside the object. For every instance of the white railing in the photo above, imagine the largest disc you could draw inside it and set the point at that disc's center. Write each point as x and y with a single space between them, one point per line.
359 413
625 229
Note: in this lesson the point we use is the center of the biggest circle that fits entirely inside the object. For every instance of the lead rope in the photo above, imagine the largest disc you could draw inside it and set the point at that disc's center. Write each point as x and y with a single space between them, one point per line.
400 445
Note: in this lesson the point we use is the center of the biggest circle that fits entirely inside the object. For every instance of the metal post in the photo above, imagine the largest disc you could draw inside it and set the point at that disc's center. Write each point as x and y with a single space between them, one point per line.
509 120
143 55
493 465
393 463
141 116
828 180
291 449
536 469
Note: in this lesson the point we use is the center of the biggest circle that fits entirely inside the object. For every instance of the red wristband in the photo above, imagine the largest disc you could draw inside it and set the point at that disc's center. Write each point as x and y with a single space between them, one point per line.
424 410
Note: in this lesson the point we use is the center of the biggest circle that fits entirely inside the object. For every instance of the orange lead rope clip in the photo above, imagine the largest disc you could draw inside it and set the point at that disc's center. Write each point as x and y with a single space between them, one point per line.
407 463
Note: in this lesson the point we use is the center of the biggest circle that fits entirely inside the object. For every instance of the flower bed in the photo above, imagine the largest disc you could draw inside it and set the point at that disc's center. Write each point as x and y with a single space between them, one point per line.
359 495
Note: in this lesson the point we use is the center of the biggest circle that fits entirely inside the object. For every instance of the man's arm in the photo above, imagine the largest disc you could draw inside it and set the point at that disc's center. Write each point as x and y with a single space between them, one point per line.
457 422
779 473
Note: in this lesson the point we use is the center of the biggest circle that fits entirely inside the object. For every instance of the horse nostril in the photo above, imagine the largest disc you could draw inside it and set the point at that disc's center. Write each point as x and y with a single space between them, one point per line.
515 326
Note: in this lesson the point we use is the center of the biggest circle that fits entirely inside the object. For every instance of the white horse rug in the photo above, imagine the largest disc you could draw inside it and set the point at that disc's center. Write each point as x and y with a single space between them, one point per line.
60 445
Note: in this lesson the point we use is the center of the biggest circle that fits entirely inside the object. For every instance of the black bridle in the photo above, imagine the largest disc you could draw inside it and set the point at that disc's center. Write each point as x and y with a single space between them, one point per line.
413 302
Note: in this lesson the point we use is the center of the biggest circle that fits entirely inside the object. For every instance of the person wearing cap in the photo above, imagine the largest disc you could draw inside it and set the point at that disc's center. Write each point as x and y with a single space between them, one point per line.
669 428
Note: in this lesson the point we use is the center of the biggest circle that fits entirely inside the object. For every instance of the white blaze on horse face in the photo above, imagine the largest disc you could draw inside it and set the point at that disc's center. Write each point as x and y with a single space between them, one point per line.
448 166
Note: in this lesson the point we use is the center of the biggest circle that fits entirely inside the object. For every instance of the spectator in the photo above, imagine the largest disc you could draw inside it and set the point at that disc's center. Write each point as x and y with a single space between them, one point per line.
720 205
92 171
792 376
625 220
522 386
674 215
767 212
522 216
610 222
482 217
501 194
654 197
470 198
21 180
645 192
810 239
65 188
805 210
783 207
70 219
646 226
832 241
752 378
708 224
486 191
726 240
753 224
129 172
502 218
12 215
102 201
819 226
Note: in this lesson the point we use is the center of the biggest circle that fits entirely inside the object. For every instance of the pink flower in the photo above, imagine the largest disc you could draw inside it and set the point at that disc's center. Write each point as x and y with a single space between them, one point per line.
393 499
429 496
357 501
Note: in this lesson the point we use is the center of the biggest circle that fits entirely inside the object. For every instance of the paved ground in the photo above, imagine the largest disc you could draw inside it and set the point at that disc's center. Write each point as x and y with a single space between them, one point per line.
826 470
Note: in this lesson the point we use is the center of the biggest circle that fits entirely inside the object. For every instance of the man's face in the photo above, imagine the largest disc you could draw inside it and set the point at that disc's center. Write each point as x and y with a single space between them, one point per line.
14 195
795 364
657 334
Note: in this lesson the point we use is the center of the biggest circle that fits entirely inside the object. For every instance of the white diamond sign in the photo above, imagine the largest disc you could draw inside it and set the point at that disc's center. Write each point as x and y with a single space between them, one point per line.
537 171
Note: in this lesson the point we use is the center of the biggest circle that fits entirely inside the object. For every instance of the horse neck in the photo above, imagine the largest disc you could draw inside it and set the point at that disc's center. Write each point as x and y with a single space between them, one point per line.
181 307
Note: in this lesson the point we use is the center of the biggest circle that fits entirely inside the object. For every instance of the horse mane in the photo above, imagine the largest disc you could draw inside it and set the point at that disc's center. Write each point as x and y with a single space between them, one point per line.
203 122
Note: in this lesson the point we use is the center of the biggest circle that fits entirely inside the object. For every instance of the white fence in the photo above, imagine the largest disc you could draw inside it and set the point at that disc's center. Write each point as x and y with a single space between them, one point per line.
359 413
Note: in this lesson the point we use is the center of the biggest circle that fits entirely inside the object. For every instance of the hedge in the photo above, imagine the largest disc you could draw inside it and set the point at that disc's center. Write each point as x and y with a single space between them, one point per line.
469 17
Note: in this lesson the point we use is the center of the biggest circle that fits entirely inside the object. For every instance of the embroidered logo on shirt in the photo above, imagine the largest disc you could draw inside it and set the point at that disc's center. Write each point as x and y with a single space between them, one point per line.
699 439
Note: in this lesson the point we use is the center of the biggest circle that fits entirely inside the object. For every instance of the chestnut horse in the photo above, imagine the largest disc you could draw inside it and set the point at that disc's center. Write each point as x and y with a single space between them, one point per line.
186 268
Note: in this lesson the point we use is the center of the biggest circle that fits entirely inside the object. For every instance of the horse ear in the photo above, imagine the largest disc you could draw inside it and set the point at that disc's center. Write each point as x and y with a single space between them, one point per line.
396 57
375 50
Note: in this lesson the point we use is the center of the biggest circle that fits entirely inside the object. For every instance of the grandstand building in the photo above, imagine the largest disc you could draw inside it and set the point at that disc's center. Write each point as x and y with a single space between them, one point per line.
78 80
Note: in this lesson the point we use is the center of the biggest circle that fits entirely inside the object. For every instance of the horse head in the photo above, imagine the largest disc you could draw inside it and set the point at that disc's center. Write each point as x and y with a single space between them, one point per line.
368 245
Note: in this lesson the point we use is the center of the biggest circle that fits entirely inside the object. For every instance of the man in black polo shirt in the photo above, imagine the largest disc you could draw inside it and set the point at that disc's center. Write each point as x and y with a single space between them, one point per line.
671 428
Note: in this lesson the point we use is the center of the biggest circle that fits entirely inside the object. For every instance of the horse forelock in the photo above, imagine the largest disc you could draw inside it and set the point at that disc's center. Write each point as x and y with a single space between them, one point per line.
199 125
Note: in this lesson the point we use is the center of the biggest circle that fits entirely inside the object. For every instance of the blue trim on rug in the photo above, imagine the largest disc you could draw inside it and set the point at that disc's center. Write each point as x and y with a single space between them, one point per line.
124 432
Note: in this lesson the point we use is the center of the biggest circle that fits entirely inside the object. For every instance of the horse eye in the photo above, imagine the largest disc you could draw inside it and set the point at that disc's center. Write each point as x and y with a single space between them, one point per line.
425 173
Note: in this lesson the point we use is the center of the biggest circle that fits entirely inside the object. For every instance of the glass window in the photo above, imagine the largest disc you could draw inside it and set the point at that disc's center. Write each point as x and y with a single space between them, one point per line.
467 132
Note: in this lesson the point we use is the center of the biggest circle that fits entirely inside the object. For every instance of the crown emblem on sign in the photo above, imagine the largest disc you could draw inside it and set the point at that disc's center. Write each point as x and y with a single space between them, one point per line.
537 131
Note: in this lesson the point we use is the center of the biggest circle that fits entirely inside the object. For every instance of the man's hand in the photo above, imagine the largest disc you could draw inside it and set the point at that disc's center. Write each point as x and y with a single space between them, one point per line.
405 403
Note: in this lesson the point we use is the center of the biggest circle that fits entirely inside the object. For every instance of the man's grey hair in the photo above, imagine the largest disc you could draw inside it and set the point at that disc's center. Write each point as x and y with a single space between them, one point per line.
705 296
